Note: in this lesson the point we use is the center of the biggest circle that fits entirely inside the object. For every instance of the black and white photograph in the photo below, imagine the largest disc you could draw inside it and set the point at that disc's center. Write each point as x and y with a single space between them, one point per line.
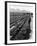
20 22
